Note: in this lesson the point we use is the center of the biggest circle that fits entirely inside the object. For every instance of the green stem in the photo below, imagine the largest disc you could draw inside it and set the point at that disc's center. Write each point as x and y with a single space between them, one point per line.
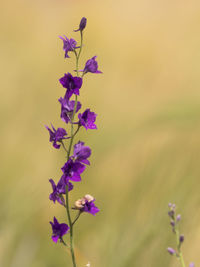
68 156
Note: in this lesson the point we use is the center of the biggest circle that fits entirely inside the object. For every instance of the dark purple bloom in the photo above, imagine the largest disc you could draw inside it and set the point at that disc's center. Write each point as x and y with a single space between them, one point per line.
61 186
72 84
81 153
86 204
59 230
87 119
58 190
90 207
68 45
72 170
82 25
55 195
67 108
171 251
91 66
56 135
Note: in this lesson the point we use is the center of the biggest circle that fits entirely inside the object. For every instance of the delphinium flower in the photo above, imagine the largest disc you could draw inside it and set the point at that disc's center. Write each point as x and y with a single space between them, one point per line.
174 222
77 154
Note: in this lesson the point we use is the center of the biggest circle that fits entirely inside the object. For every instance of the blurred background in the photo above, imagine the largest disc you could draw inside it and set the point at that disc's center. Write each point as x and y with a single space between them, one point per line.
146 151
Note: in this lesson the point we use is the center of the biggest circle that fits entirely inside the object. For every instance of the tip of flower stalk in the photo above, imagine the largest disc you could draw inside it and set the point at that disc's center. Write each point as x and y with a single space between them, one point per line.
82 25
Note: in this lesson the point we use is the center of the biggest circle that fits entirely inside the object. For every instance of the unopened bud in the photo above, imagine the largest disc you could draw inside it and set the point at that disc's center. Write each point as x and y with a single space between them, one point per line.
181 238
171 251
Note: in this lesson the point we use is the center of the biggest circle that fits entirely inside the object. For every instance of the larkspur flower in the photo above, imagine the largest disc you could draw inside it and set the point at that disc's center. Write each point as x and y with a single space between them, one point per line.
58 190
61 186
72 170
68 45
67 108
55 195
91 66
86 204
72 84
82 24
81 153
59 230
87 119
56 135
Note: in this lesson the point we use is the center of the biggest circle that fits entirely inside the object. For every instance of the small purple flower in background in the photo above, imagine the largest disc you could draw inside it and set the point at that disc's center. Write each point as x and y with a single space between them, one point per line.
171 251
72 84
59 230
72 170
191 264
82 25
91 66
87 119
81 153
67 108
86 204
68 45
56 135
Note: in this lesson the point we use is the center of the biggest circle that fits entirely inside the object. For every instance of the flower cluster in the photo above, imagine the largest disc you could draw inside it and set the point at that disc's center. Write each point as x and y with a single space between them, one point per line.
174 222
77 154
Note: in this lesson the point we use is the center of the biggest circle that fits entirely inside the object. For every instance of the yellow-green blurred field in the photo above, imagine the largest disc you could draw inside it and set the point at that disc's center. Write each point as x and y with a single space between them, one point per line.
146 151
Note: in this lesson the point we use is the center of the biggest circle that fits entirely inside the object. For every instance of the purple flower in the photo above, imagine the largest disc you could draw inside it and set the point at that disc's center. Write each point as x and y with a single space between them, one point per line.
91 66
67 108
191 264
68 45
178 217
82 25
59 230
171 251
86 204
58 190
87 119
55 195
72 170
56 135
72 84
61 186
81 153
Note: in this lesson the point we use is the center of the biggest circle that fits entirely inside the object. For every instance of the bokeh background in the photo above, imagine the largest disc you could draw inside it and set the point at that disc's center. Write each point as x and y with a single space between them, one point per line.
146 151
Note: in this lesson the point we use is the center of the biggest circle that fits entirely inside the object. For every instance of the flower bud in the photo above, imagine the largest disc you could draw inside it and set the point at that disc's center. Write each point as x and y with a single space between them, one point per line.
172 223
82 25
171 251
181 238
178 217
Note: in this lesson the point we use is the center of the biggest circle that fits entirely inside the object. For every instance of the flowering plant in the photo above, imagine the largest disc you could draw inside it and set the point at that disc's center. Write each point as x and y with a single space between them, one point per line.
174 222
78 160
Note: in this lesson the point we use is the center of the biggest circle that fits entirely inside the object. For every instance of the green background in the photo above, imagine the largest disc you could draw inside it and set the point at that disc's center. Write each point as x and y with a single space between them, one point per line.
146 151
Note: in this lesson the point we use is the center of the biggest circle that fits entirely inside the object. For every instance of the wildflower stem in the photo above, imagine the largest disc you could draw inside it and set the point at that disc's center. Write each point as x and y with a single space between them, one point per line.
78 215
178 244
68 156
